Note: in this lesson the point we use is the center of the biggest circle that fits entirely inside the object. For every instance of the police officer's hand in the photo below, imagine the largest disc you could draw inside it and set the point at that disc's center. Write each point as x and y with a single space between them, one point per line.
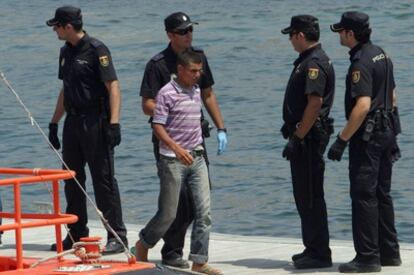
113 134
222 141
395 152
285 131
337 149
53 135
292 148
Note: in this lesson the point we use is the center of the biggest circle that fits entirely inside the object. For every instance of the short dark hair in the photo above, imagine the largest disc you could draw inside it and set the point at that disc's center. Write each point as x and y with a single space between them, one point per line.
312 34
77 26
363 35
189 56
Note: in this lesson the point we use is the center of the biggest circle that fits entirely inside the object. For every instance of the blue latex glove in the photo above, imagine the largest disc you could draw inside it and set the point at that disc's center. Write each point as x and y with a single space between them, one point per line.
222 142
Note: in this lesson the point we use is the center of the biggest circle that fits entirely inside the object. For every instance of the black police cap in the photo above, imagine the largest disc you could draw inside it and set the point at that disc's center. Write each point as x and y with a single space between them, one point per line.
178 21
65 15
301 23
352 20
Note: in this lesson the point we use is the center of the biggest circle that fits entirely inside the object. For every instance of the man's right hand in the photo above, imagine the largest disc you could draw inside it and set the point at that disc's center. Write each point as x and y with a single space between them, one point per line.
183 156
53 135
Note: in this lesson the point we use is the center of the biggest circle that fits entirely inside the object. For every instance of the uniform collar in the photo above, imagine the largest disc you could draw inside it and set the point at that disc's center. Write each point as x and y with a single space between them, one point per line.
170 51
355 49
82 42
306 53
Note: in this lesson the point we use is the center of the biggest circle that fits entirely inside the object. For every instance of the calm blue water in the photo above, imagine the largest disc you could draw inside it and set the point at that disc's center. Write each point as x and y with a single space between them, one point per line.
251 61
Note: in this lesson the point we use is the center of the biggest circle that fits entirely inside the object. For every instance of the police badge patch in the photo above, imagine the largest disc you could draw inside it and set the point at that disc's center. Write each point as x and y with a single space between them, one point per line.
104 60
313 73
356 75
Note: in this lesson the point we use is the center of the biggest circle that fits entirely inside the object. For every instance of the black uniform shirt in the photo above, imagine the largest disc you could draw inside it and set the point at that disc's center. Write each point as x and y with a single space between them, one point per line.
313 74
370 71
84 69
163 66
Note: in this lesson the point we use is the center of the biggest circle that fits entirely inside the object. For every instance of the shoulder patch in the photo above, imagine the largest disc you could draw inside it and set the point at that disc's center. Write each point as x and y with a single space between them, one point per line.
158 57
197 49
356 76
104 60
313 73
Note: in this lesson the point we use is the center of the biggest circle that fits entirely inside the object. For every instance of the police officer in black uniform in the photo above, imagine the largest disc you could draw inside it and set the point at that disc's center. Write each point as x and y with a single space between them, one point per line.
91 99
308 100
370 132
158 72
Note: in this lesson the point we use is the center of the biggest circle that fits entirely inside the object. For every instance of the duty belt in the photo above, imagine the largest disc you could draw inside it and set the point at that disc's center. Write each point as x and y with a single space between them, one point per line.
85 111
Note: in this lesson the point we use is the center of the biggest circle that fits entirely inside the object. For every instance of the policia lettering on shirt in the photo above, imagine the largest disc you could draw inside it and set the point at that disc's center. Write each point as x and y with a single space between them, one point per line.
371 132
91 99
308 100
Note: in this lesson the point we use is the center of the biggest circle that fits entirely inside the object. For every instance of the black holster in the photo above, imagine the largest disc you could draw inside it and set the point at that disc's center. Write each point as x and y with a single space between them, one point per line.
205 128
322 127
395 121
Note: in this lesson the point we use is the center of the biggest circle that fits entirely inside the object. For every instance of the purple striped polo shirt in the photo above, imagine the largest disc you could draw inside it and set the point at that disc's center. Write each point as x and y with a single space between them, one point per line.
179 110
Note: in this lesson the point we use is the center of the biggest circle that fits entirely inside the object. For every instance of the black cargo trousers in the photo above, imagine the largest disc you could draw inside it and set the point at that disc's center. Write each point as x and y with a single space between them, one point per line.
370 170
307 178
84 142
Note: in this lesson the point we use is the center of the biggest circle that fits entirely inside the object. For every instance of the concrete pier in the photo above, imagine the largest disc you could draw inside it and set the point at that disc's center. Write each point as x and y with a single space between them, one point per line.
234 254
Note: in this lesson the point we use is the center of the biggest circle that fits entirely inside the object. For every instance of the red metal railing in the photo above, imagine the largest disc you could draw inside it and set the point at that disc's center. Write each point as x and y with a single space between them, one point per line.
34 176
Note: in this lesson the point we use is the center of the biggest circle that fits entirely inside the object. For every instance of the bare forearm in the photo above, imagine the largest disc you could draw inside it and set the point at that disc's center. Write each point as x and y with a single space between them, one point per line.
162 135
356 118
59 109
213 109
310 115
114 100
148 106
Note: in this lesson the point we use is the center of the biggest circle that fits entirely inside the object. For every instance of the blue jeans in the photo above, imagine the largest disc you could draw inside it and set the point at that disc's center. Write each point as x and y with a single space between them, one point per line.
173 174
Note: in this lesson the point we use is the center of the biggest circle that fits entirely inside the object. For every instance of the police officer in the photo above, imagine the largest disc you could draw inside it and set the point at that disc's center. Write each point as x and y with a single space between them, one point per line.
91 99
158 72
308 100
368 104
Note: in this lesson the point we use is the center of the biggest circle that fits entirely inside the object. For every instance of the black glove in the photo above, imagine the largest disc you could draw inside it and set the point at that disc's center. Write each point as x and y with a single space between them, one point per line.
285 131
395 152
113 134
53 135
292 148
337 149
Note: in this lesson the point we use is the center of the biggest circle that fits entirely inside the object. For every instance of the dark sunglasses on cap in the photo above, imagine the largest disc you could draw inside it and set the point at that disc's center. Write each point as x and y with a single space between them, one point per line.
184 31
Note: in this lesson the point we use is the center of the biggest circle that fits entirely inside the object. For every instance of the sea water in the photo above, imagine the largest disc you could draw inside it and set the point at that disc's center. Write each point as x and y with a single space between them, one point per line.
251 62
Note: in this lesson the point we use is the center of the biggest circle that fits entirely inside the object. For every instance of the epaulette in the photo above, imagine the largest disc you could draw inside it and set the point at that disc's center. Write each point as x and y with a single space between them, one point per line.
197 49
314 55
158 57
357 56
95 42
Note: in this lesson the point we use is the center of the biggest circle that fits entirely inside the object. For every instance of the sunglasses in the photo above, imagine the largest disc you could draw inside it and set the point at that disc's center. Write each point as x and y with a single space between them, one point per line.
184 32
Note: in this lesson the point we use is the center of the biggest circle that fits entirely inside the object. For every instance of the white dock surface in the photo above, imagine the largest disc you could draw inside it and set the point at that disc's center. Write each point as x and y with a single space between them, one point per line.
234 254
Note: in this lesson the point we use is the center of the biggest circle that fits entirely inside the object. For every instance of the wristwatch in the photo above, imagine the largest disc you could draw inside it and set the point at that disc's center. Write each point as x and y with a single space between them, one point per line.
222 129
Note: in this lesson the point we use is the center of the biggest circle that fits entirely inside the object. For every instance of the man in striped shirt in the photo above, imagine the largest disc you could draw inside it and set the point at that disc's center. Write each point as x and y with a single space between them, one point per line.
176 124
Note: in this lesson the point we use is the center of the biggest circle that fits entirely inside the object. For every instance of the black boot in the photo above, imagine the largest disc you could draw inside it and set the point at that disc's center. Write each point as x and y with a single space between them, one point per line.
309 262
67 243
358 267
114 247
